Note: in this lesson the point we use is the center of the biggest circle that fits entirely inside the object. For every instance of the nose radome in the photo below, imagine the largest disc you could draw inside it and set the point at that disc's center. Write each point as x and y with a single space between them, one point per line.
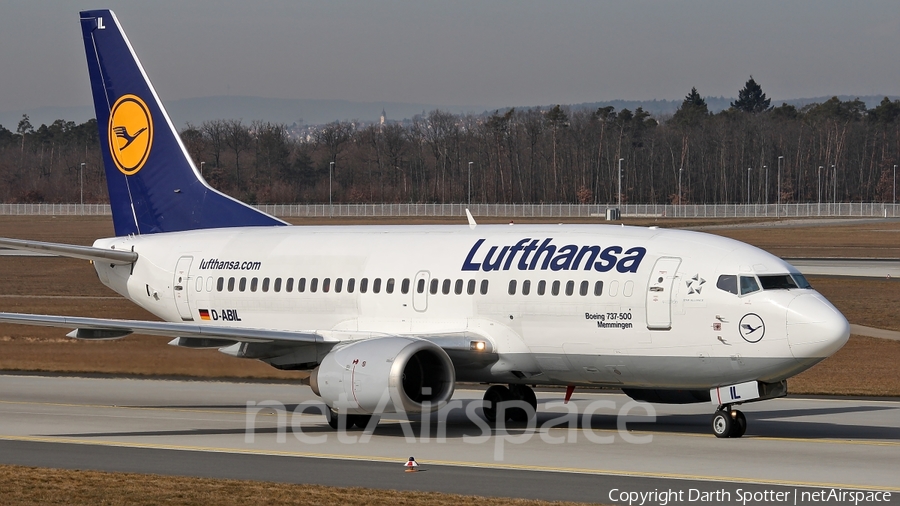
815 328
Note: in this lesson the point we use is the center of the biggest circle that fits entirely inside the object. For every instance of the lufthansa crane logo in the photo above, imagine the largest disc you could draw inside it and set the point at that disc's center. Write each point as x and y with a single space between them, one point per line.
752 328
130 133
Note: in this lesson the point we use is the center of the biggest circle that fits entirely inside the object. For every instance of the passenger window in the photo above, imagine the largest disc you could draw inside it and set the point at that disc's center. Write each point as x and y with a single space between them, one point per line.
554 288
220 284
570 287
512 287
363 285
338 284
243 284
458 287
351 285
265 286
584 288
313 285
301 285
470 289
526 287
749 285
484 287
253 284
199 284
289 285
420 286
598 288
326 285
389 287
727 283
542 287
445 286
230 284
376 285
277 286
404 286
434 286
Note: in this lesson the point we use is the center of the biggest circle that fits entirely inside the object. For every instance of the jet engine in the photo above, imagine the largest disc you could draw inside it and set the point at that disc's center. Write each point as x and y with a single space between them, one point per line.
385 374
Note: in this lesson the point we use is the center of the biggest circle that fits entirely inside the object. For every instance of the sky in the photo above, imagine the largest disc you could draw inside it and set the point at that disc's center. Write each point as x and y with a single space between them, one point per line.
487 53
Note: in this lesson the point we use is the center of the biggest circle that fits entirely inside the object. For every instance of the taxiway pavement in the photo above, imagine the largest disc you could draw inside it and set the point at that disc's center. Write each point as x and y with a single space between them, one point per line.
275 431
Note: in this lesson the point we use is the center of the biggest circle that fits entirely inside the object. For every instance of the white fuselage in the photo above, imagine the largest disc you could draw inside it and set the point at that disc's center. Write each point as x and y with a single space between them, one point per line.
658 320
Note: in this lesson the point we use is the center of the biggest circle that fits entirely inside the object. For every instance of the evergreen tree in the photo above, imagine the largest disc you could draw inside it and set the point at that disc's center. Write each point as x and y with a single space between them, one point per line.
692 111
751 98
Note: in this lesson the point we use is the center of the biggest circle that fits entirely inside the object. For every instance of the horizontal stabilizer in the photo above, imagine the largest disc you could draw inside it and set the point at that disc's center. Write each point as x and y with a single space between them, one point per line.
72 251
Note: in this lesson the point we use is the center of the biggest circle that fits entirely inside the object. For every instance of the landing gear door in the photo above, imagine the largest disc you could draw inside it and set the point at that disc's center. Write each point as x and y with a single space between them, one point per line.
659 293
420 291
180 287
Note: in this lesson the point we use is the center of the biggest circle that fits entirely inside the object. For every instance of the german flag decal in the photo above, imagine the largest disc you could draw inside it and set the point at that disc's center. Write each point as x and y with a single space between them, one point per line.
204 314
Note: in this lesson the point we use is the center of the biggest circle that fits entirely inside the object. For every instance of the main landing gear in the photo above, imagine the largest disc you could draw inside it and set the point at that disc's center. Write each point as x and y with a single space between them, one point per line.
359 421
728 422
497 394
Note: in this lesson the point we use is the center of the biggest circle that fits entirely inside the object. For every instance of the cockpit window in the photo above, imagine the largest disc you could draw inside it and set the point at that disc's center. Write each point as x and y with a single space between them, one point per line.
728 283
778 282
801 280
749 285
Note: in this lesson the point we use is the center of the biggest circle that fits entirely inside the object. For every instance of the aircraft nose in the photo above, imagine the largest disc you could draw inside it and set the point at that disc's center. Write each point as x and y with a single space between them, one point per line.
815 328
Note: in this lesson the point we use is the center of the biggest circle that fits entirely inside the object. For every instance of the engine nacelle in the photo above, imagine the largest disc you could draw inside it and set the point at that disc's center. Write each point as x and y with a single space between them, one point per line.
385 374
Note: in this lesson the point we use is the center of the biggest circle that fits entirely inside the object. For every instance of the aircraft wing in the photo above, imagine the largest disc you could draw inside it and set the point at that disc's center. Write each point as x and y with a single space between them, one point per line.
104 328
72 251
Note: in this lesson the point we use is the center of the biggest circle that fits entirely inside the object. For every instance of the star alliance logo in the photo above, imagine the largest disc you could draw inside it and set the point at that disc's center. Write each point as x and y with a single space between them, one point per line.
695 284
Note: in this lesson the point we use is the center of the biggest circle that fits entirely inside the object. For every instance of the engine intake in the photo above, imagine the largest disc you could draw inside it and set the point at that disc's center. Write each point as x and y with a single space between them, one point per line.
385 374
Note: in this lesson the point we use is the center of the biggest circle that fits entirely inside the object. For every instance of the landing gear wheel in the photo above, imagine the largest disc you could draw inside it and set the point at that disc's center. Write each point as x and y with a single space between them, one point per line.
522 393
722 424
360 421
331 417
492 397
740 424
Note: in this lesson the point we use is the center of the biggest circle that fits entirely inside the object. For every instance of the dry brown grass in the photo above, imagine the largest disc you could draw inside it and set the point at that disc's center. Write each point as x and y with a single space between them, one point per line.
40 486
864 366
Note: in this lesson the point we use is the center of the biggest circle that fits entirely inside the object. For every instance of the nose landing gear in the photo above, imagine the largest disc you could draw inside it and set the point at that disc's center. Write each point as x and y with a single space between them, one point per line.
728 422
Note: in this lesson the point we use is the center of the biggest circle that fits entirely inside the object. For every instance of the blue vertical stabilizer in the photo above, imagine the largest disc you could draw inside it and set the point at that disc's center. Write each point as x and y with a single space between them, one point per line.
153 184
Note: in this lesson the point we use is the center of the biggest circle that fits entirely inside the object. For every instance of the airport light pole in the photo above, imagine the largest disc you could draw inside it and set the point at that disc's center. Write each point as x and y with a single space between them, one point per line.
895 184
766 169
81 181
330 176
778 196
620 188
748 185
819 177
469 193
679 189
834 171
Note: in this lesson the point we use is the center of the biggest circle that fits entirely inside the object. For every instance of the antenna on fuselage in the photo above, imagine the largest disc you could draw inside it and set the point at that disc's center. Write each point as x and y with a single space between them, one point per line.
471 219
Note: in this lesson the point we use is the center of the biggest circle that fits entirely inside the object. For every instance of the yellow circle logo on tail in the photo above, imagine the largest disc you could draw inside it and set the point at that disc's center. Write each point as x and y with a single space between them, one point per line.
130 133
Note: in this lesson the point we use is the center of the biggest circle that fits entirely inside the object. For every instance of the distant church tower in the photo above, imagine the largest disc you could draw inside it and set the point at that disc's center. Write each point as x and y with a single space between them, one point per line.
383 117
